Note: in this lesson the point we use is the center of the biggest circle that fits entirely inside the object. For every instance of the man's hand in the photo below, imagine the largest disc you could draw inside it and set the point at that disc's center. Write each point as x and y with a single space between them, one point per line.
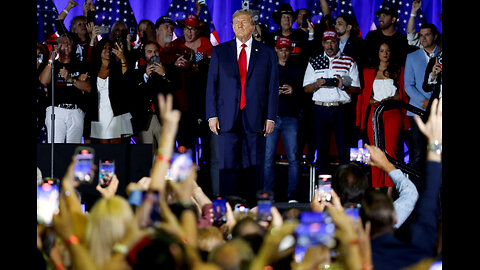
286 89
416 6
379 159
214 124
155 68
340 81
268 128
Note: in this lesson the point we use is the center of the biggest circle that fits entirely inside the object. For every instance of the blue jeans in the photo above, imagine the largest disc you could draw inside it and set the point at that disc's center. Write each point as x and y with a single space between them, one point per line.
288 127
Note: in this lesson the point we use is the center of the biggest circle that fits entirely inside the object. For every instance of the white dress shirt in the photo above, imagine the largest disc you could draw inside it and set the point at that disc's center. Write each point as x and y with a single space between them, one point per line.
248 49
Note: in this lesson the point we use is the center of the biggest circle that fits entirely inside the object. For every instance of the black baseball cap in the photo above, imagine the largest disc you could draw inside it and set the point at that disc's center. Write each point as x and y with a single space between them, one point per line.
387 10
164 19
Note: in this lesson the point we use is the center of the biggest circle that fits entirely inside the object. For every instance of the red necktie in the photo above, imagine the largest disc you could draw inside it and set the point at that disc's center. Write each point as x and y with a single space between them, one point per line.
242 67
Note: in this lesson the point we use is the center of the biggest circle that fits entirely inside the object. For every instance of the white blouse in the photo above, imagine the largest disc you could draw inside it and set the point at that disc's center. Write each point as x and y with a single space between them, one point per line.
109 126
383 88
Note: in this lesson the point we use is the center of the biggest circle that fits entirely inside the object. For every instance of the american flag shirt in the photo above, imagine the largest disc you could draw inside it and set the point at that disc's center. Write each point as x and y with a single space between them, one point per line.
323 66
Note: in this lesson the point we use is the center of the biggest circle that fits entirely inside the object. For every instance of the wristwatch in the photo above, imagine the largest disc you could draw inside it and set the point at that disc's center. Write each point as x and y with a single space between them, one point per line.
436 147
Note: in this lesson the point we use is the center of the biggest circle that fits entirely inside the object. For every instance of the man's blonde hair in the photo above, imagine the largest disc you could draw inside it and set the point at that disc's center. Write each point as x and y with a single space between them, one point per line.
243 12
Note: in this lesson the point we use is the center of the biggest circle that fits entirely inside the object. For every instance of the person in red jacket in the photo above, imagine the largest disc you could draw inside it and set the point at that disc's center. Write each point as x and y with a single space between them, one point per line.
382 81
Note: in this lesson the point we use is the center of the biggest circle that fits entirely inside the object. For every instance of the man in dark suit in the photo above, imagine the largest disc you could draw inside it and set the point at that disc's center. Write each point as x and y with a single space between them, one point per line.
241 106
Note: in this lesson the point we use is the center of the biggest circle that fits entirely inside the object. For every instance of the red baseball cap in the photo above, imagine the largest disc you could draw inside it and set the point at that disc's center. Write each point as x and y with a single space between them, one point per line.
329 34
190 21
284 42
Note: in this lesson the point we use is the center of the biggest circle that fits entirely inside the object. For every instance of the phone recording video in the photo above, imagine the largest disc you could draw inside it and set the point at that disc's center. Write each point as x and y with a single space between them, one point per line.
47 201
324 187
105 172
264 206
150 216
314 229
83 171
181 165
219 211
353 211
359 154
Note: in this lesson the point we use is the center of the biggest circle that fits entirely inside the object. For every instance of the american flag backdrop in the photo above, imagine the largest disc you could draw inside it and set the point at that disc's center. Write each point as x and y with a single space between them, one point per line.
336 7
107 12
179 9
46 15
403 8
265 9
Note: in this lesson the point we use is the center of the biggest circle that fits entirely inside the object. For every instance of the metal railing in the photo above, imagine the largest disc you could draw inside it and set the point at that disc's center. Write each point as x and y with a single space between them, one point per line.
379 136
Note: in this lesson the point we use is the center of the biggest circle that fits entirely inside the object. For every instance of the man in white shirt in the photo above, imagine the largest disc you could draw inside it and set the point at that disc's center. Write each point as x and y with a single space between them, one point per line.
331 76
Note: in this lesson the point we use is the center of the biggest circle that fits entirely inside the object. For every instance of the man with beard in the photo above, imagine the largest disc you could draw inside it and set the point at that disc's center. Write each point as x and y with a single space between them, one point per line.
331 76
386 32
150 80
164 27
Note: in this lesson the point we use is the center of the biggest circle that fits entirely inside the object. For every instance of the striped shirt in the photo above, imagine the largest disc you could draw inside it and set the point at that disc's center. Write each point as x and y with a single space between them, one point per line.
323 66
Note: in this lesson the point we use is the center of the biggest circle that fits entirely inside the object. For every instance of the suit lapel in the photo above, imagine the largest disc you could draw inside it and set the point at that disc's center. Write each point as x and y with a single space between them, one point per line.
233 56
253 56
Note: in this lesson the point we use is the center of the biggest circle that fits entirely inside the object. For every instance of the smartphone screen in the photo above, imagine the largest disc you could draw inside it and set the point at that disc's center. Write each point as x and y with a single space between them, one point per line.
219 211
264 204
105 172
324 186
181 166
359 154
83 171
150 217
47 202
314 229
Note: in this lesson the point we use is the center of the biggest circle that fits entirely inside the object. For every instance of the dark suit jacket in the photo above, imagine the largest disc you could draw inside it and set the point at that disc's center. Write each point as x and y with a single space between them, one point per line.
146 94
261 86
390 253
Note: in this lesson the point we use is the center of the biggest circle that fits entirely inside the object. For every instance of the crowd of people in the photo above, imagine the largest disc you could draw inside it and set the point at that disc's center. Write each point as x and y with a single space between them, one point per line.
321 82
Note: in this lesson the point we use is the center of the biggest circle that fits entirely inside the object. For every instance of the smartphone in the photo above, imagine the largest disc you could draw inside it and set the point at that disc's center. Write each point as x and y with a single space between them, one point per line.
104 29
105 172
151 212
359 154
264 204
133 32
331 82
60 27
90 16
181 165
353 211
156 59
314 229
47 201
304 21
324 187
219 211
83 171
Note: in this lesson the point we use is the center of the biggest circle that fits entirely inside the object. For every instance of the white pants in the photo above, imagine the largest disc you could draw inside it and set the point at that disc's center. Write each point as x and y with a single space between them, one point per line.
68 125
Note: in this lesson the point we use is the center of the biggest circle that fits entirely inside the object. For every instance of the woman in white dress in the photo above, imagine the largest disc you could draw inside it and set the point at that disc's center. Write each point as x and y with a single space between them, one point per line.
109 110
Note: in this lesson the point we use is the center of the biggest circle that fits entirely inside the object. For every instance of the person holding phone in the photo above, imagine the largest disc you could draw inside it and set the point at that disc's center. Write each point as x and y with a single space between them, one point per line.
383 81
290 90
150 80
332 77
110 115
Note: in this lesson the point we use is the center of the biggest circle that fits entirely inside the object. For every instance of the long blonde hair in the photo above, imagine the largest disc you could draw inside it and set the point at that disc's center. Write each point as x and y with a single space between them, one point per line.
106 225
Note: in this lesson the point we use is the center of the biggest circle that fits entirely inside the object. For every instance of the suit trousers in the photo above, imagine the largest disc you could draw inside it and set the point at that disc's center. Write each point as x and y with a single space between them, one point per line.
241 160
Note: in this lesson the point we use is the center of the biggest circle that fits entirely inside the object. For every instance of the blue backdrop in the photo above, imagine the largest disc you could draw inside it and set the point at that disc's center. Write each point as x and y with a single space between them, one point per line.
221 11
